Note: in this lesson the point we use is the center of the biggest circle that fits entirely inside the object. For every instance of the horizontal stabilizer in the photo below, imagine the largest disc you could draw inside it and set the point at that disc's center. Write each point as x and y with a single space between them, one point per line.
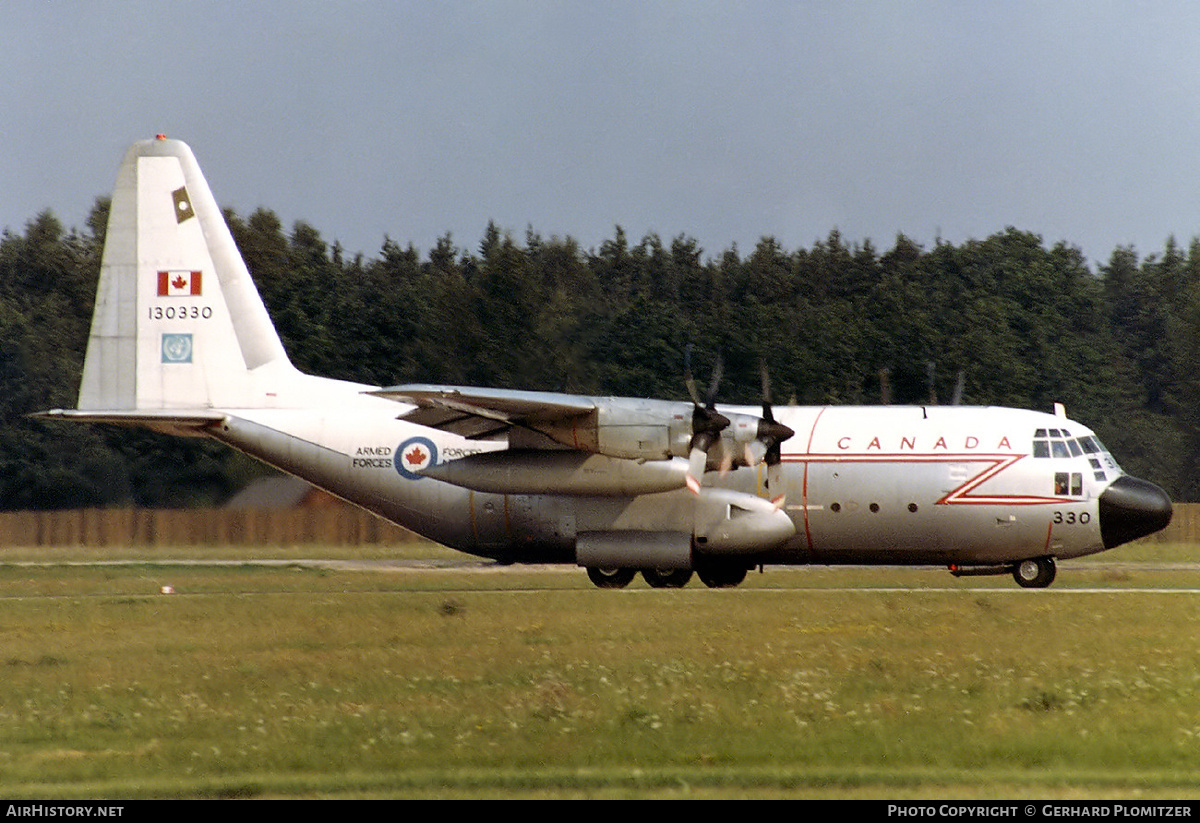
187 424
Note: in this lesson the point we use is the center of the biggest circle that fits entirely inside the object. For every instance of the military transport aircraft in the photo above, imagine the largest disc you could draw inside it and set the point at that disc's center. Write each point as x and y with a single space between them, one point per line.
182 344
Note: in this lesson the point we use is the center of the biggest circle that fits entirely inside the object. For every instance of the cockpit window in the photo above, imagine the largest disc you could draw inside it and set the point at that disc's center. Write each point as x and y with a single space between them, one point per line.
1058 443
1055 443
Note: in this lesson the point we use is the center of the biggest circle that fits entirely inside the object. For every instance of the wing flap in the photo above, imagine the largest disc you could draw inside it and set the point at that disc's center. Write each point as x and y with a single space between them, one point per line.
480 413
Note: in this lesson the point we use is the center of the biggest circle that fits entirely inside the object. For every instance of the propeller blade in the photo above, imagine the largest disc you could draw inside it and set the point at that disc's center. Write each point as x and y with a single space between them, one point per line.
697 461
775 486
726 458
715 382
687 376
756 452
768 414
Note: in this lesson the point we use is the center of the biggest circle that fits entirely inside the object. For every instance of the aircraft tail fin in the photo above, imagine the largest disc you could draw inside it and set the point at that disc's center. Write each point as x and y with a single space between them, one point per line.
178 322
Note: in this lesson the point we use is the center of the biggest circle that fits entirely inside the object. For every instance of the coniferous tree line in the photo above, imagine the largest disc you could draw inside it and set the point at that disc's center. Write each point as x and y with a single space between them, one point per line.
1024 324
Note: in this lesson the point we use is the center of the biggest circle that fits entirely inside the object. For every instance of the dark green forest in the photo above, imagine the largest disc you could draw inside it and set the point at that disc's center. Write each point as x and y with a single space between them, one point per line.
1026 324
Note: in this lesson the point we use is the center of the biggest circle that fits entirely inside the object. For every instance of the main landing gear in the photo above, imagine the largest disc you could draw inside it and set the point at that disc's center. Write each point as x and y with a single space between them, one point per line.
610 578
713 575
1035 573
667 578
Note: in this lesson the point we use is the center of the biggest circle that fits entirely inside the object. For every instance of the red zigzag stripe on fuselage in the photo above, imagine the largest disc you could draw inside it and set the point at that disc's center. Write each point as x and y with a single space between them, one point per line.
960 496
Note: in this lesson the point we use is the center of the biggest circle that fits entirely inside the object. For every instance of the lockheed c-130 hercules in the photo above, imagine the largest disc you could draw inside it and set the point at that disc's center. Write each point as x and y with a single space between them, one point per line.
181 343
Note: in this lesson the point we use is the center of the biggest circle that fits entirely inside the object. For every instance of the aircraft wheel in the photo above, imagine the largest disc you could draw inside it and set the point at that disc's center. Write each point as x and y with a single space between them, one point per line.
722 575
610 578
667 578
1036 573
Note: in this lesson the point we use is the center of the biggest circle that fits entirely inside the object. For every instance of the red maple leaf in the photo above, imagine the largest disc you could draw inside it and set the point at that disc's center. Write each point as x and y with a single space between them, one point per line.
415 457
179 282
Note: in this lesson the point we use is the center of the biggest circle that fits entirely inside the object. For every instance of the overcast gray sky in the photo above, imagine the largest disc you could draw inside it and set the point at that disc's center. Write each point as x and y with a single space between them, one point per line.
724 121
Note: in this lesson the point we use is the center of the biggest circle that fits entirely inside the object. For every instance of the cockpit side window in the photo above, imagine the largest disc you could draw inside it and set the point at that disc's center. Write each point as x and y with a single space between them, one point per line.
1068 484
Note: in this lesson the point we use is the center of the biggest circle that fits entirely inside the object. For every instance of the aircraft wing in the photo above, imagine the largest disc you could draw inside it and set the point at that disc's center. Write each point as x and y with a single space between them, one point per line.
477 413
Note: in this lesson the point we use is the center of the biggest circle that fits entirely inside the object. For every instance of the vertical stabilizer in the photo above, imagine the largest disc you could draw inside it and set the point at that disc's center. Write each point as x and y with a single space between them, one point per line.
178 322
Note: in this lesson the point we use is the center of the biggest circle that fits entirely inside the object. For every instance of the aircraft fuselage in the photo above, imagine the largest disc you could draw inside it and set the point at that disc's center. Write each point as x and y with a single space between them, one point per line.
896 485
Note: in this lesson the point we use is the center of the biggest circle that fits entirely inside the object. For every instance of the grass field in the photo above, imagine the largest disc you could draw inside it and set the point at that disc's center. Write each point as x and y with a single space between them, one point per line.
294 681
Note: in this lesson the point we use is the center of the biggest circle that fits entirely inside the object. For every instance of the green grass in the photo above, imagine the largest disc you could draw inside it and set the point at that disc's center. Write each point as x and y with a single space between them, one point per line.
289 681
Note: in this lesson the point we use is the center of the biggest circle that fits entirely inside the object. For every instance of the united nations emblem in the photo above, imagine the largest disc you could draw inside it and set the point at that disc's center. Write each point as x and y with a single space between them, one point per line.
177 348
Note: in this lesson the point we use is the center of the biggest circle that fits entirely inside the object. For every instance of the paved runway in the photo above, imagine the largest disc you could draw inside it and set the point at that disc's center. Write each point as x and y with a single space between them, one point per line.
920 579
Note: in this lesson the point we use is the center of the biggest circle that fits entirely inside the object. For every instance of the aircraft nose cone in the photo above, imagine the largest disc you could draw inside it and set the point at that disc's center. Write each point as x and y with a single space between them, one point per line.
1131 508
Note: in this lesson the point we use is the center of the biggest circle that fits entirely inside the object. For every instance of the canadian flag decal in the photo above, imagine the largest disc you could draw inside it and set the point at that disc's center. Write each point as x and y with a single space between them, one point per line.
179 283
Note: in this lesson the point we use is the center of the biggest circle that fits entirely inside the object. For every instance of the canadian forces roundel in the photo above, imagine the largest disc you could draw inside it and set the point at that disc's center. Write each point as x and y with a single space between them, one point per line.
415 455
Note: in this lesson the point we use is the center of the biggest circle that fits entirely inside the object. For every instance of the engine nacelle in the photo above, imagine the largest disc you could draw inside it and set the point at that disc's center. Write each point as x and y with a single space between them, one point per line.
565 472
623 428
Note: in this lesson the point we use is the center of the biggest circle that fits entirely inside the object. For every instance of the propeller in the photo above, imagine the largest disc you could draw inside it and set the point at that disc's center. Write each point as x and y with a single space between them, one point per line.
958 389
771 435
959 384
760 438
707 422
